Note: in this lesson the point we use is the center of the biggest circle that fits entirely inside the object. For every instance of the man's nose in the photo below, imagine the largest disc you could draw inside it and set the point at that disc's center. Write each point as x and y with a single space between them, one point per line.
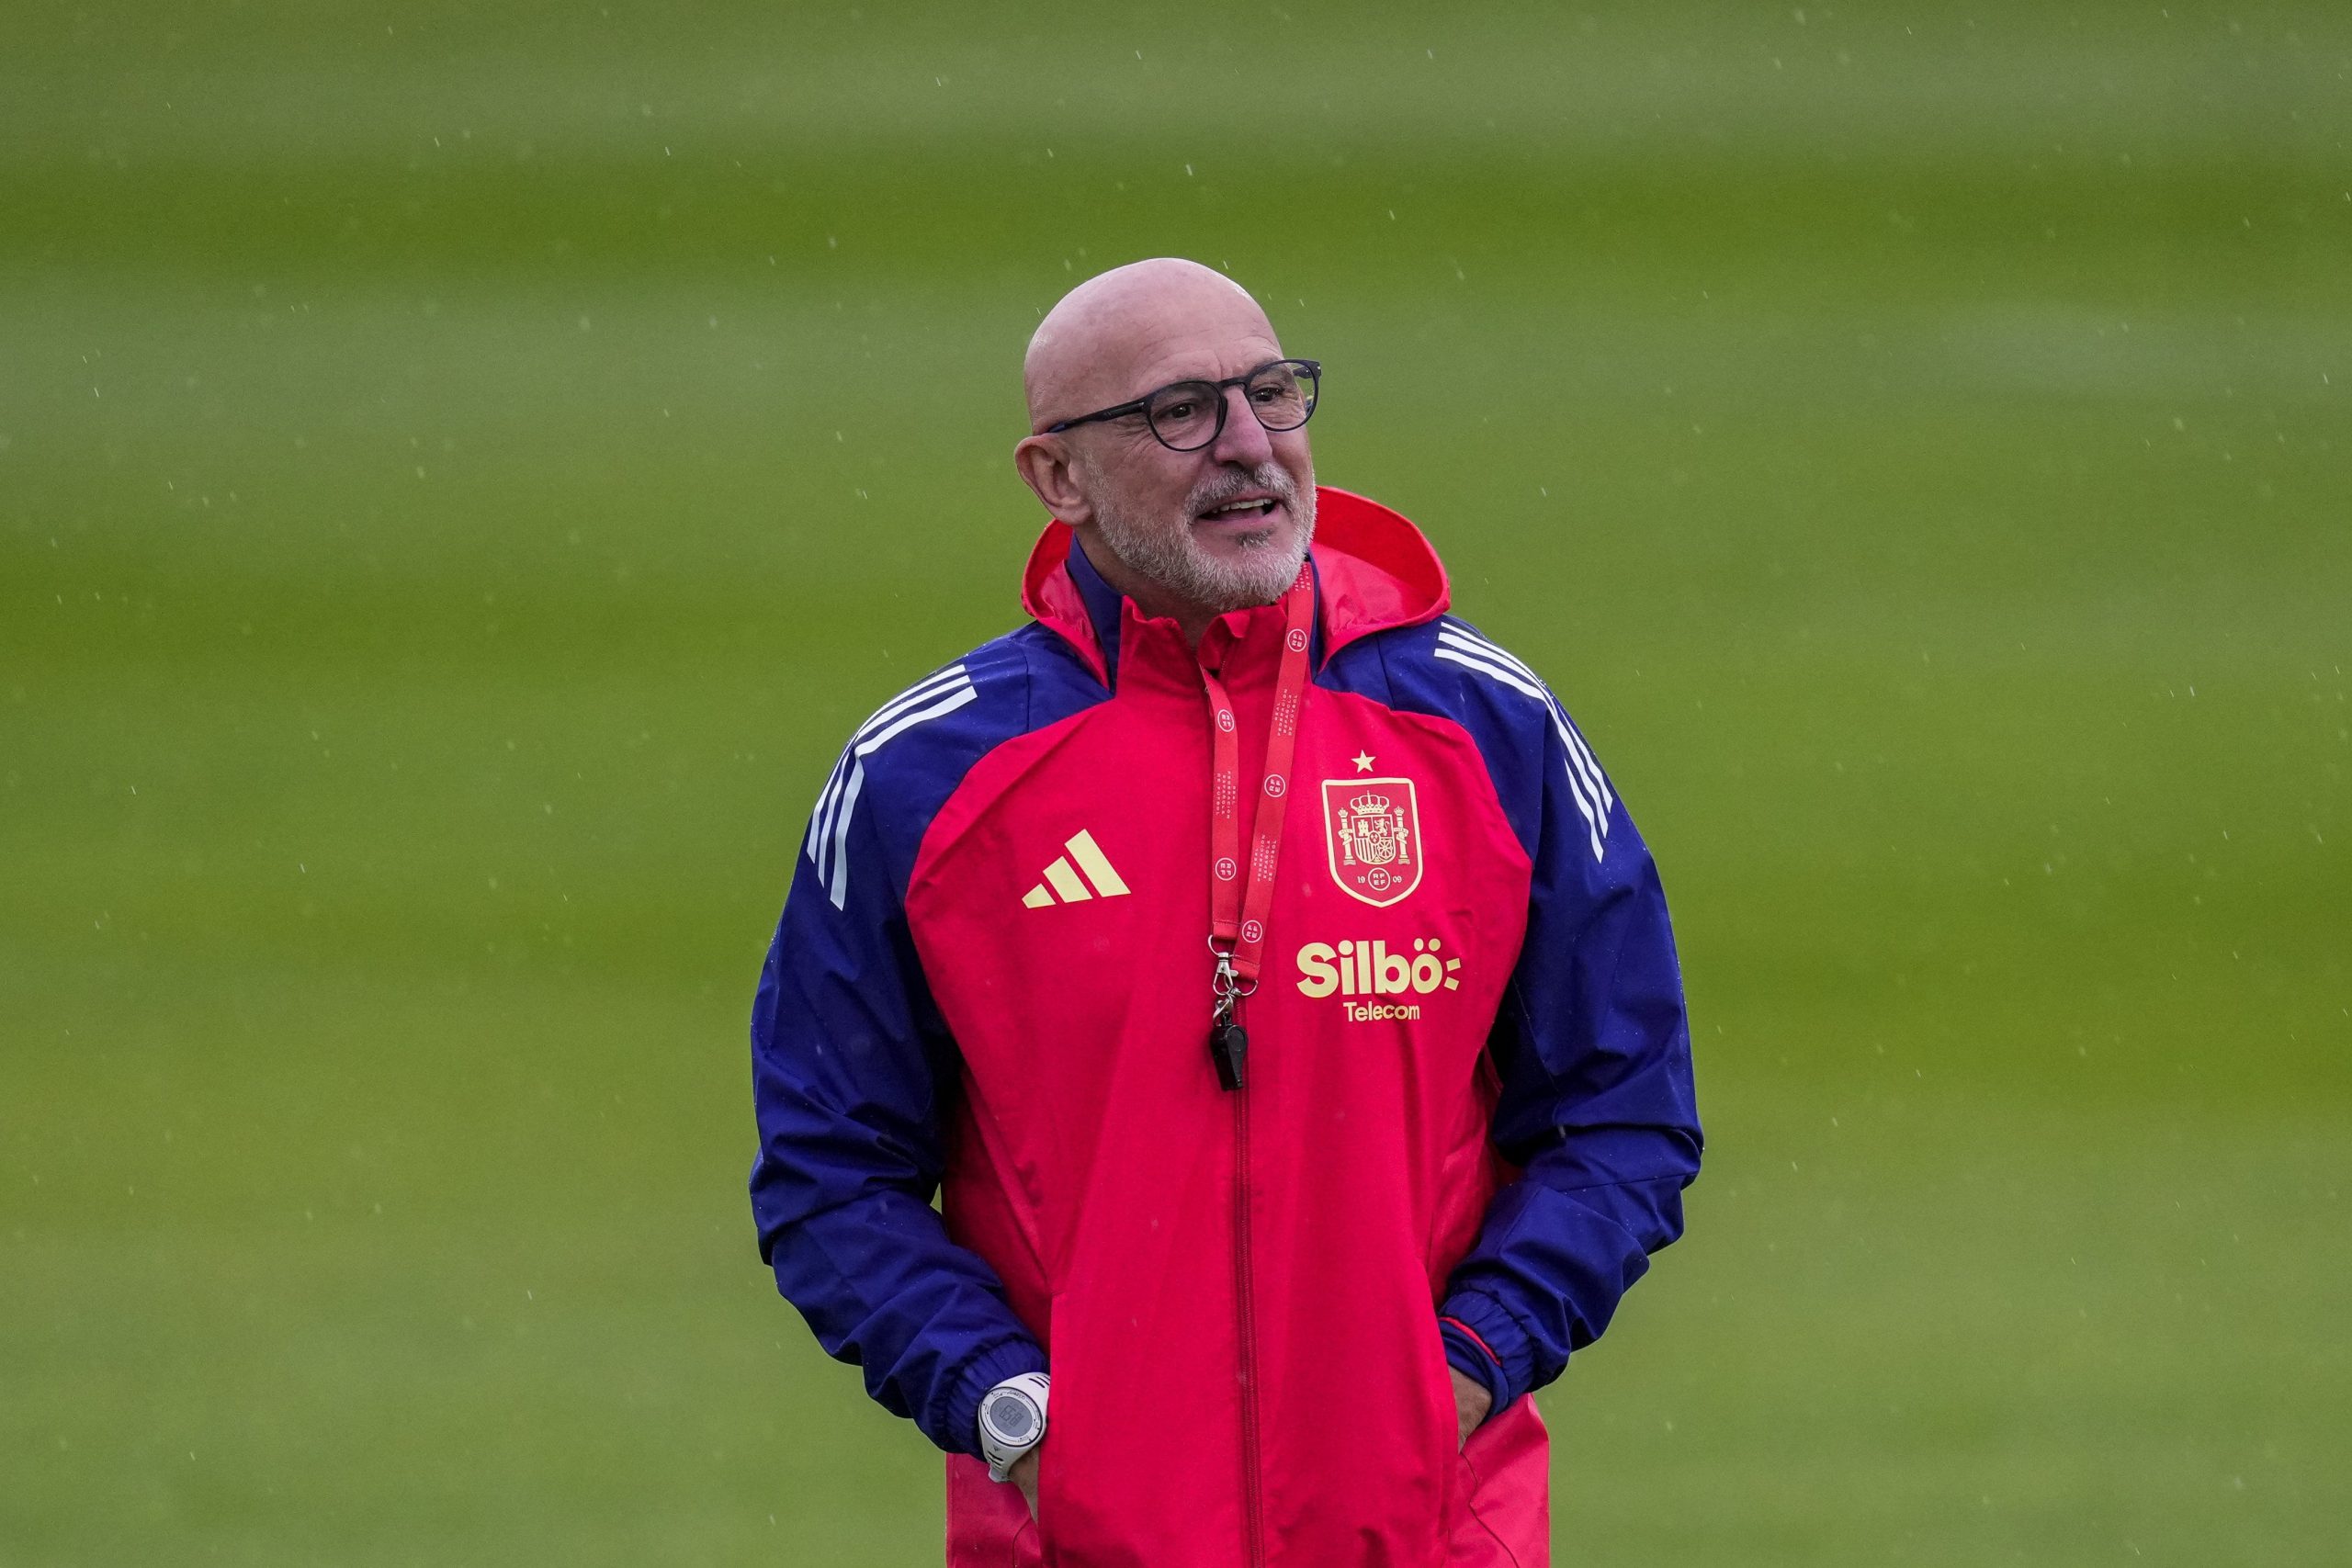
1243 440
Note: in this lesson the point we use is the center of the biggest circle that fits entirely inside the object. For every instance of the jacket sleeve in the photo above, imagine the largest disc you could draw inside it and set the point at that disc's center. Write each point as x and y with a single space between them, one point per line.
851 1071
1597 1105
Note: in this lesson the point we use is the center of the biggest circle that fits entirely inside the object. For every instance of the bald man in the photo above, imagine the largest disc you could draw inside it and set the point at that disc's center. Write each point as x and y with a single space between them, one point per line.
1258 966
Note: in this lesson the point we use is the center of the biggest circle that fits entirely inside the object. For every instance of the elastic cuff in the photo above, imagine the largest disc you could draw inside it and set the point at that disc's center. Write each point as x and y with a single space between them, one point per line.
1485 1331
961 1431
1468 1355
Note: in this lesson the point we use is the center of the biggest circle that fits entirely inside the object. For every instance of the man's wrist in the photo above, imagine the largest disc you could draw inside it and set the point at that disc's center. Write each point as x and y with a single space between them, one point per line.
1011 1421
1470 1355
958 1413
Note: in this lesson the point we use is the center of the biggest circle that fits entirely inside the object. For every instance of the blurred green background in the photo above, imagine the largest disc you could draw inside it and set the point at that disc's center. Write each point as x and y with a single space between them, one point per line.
465 467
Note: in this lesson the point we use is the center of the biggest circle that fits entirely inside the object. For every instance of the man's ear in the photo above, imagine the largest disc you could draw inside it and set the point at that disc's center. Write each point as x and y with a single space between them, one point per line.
1045 466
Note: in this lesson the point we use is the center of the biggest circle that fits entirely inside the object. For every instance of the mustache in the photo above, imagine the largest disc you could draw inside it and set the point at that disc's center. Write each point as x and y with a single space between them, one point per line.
1218 489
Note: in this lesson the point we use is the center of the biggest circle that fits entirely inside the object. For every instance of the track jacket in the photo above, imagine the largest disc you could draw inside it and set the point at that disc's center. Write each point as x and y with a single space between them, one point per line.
1466 1124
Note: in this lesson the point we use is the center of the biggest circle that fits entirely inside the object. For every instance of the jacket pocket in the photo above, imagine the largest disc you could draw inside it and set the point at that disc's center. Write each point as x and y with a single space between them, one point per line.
1501 1513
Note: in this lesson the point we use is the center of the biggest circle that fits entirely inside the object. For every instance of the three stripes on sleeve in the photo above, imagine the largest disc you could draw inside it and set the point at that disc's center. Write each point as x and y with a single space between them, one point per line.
934 696
1457 644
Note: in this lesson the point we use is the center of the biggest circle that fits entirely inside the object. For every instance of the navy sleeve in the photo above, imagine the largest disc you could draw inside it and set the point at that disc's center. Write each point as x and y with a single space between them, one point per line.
1591 1042
852 1072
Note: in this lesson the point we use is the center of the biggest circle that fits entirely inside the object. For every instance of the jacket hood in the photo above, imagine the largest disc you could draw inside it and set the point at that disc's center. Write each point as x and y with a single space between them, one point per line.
1373 571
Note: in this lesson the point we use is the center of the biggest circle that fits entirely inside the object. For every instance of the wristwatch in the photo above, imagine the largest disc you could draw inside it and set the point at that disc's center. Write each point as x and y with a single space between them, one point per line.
1013 1421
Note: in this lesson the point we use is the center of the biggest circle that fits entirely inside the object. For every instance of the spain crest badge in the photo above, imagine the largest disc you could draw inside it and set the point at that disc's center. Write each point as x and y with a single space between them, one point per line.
1372 830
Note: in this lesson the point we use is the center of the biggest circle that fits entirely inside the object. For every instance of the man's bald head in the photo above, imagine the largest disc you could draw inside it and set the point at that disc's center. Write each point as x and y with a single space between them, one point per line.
1117 325
1185 533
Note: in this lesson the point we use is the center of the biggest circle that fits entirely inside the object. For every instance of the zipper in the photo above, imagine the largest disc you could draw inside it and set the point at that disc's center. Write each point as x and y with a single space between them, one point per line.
1241 891
1252 1498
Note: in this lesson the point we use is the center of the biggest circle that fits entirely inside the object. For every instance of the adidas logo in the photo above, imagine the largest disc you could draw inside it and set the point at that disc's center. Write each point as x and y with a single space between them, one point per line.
1063 884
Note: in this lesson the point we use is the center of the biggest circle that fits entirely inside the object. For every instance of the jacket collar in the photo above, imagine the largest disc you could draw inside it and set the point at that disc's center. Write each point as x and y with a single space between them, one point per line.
1103 603
1373 571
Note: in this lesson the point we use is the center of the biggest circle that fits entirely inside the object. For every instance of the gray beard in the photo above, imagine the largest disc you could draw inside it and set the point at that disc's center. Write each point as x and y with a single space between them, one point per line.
1169 559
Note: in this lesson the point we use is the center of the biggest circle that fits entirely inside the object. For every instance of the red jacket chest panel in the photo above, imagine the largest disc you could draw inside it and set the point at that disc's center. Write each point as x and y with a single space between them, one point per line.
1157 1231
1061 907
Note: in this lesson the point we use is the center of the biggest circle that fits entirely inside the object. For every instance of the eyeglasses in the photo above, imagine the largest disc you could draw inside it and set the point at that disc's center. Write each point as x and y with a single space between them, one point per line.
1188 415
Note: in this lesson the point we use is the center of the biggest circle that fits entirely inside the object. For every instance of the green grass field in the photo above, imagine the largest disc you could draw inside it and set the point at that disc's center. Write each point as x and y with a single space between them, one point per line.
463 468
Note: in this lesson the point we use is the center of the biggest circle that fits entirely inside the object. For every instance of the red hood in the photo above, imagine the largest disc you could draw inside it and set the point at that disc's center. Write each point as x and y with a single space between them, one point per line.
1374 569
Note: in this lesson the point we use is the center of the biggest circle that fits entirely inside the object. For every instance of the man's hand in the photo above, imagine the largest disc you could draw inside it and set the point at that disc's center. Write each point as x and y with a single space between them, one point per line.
1023 1474
1471 1403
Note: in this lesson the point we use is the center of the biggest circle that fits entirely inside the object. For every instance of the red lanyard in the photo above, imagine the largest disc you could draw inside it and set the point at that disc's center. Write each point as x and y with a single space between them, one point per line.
1241 893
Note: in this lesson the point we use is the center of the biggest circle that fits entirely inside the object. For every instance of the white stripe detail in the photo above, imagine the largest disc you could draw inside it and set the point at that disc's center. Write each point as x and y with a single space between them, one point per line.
951 676
1576 737
1596 816
828 799
1461 636
1478 660
840 888
829 832
962 694
1593 776
1592 795
1595 780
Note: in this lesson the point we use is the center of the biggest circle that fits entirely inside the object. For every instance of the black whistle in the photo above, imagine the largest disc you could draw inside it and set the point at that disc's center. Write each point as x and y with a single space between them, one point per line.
1228 1048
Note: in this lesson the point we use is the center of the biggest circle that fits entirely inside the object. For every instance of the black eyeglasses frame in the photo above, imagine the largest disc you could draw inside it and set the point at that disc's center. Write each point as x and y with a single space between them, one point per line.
1311 369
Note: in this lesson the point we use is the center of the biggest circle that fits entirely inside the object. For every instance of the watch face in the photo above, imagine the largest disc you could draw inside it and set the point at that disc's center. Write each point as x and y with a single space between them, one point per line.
1011 1418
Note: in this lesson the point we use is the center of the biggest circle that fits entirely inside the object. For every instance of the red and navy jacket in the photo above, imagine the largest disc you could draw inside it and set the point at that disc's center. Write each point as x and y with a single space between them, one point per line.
1467 1123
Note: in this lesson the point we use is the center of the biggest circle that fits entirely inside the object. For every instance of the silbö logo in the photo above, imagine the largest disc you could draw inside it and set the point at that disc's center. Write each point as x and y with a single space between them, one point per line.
1369 969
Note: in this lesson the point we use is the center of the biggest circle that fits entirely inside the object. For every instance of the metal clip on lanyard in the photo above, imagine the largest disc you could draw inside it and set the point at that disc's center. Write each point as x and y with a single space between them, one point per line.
1238 903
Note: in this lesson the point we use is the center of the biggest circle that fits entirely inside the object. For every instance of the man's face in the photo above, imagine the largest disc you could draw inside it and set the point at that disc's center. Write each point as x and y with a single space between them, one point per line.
1220 528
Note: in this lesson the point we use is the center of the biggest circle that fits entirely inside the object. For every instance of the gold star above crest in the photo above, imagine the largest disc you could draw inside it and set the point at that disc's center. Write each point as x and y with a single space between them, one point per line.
1362 759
